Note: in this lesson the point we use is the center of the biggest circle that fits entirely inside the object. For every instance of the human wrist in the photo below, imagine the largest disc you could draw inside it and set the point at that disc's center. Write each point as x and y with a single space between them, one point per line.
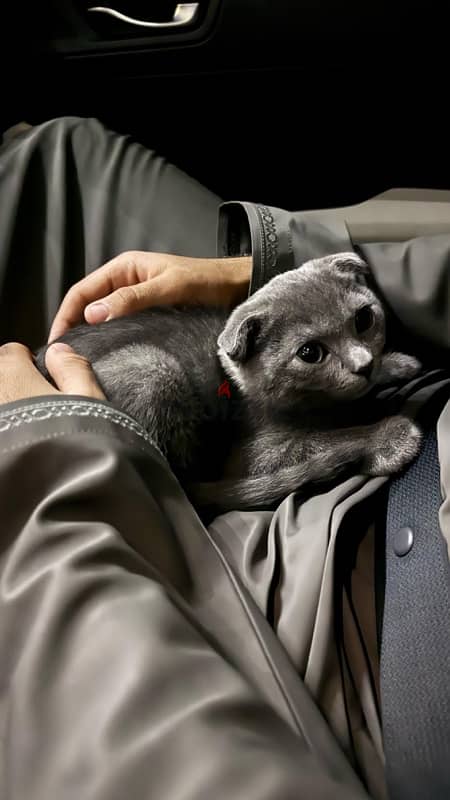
237 273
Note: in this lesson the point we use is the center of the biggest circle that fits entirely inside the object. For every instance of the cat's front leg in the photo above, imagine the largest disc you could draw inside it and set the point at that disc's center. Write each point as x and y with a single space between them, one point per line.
396 367
391 445
382 448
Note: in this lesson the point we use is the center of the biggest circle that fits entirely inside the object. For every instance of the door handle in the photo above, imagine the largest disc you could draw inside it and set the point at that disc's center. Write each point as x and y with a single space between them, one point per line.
184 14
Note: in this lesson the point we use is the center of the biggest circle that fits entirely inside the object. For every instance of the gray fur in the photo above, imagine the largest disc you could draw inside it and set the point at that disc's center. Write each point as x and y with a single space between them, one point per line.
293 423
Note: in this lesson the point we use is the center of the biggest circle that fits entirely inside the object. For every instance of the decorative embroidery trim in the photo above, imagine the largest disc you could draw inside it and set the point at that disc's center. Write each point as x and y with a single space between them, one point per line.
270 238
40 411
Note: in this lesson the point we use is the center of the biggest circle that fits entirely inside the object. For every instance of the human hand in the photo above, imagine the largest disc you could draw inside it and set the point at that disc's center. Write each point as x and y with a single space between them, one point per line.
20 378
136 280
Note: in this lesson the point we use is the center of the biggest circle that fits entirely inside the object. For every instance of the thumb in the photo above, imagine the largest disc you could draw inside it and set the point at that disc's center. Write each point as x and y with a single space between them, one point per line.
125 300
71 373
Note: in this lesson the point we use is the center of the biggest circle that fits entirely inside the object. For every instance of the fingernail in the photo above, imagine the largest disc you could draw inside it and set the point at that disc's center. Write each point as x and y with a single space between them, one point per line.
97 312
61 347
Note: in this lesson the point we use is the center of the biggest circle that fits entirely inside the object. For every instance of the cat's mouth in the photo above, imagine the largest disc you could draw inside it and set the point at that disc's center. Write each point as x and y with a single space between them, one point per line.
365 382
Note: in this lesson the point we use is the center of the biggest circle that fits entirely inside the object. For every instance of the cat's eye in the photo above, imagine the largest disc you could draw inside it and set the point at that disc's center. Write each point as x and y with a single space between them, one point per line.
364 319
312 352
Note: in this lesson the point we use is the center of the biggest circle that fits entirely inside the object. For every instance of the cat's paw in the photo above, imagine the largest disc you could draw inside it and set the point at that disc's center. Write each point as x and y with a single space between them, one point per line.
408 366
394 443
397 367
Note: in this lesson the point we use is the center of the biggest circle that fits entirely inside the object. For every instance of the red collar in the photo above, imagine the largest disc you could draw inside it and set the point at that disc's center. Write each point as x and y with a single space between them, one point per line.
224 390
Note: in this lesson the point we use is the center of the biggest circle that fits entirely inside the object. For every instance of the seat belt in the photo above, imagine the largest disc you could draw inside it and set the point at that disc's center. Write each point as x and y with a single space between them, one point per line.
415 643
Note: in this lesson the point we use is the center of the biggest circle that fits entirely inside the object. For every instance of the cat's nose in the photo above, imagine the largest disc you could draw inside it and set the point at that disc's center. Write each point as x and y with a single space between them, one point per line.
365 370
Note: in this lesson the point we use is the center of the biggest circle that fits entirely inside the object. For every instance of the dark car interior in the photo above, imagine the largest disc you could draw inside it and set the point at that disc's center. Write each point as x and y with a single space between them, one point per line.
292 103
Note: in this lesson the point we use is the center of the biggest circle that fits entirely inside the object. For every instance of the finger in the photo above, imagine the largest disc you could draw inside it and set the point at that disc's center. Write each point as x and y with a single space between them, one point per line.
70 312
71 372
16 351
20 377
126 269
163 290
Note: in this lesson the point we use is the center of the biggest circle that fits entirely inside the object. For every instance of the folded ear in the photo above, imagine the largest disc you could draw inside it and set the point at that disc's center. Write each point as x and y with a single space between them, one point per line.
350 263
238 339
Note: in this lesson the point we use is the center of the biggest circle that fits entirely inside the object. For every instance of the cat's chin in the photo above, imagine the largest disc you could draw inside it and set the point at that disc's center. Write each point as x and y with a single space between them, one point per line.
326 400
353 393
364 390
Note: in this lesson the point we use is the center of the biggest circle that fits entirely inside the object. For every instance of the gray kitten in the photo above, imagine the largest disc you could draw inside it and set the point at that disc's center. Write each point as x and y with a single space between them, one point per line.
251 406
